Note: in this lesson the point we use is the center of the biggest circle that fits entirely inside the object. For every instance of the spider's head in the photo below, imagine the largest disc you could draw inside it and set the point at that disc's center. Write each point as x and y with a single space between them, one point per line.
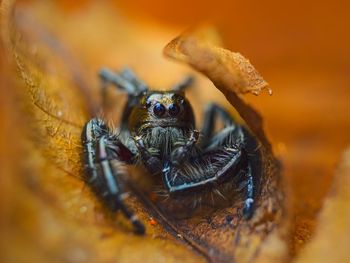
162 109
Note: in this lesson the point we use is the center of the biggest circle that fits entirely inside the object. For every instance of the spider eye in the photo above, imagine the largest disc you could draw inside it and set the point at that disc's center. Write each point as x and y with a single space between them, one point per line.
173 109
159 109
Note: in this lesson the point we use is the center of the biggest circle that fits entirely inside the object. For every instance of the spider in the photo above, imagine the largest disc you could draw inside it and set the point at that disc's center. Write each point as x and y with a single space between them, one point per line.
158 130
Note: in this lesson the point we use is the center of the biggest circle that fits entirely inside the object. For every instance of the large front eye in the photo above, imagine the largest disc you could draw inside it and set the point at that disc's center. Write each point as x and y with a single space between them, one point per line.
173 110
159 109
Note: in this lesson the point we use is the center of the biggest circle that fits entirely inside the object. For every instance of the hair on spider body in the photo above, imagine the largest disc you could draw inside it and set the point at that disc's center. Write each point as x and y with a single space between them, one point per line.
158 130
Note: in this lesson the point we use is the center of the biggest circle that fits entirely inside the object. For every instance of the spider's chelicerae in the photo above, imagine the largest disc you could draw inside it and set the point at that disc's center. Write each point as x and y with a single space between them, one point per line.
158 130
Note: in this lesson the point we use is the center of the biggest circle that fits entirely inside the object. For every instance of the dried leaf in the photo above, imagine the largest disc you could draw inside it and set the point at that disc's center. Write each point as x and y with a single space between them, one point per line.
225 68
332 237
230 72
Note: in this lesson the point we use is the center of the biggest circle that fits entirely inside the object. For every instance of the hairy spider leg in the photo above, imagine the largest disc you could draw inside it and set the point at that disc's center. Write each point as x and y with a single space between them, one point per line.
125 81
152 163
210 116
254 172
108 77
223 154
130 76
180 154
100 149
244 140
201 171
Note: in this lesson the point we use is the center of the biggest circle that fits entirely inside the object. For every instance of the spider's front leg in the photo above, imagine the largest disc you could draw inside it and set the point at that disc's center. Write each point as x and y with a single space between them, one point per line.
235 135
225 154
100 149
182 152
152 163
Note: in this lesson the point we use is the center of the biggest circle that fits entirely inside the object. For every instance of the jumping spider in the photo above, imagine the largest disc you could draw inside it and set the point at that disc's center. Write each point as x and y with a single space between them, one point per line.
158 129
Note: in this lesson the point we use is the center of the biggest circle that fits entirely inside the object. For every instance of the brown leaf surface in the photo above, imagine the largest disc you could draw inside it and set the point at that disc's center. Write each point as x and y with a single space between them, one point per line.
332 237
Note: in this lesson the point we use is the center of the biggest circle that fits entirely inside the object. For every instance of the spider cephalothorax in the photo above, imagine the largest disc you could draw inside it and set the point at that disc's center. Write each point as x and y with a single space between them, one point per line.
161 109
158 130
